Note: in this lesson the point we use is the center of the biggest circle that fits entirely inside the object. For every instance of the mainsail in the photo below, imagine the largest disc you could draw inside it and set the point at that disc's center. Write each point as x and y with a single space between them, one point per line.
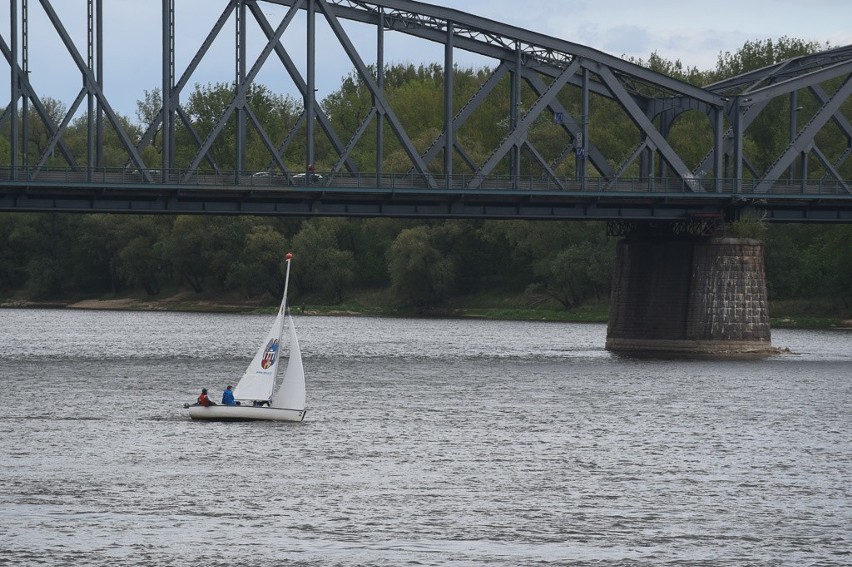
258 380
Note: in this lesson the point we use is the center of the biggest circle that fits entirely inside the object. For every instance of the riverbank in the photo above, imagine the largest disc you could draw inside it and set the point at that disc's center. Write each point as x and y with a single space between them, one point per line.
811 314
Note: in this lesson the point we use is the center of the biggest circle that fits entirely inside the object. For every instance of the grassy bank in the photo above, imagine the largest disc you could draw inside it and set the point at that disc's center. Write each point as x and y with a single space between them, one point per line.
816 313
822 313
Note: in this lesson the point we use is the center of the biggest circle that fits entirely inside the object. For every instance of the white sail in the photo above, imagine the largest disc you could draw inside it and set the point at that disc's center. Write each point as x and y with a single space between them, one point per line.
258 380
291 392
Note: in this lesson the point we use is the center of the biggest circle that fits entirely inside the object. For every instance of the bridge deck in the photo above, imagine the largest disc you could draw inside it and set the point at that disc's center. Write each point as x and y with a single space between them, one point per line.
406 195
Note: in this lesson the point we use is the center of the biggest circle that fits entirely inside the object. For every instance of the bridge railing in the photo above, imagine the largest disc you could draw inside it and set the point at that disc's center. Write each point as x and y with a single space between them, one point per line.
117 177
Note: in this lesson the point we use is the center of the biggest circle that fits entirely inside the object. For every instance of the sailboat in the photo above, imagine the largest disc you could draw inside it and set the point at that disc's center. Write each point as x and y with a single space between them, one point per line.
256 393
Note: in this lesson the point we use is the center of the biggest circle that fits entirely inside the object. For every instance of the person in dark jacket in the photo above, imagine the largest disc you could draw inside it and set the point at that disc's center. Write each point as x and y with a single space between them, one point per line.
204 400
228 397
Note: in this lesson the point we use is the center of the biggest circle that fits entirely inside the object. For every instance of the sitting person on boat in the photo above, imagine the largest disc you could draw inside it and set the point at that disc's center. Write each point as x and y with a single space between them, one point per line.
204 400
228 397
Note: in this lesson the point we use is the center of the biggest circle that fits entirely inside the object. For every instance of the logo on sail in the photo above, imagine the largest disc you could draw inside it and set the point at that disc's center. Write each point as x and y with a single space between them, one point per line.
270 354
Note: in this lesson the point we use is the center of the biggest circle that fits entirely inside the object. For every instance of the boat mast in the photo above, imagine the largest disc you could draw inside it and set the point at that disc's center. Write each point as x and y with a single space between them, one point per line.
281 310
282 316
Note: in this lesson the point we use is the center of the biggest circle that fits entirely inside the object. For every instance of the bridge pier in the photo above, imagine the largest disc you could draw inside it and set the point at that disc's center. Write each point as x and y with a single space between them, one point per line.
680 295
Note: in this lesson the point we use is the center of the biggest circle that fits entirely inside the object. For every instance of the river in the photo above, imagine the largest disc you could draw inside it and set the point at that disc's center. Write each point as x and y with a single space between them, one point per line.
427 442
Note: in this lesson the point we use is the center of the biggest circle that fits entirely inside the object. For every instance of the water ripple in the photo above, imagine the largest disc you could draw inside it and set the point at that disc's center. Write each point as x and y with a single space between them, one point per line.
426 443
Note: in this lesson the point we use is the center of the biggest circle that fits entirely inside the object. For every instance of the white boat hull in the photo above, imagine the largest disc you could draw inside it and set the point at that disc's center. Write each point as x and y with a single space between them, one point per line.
244 413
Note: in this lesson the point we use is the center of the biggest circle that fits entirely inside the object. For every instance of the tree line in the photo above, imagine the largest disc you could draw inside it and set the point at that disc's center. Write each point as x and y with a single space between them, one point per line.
421 264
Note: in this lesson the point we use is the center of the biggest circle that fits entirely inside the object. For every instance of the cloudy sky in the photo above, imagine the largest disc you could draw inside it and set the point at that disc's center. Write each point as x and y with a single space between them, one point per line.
693 32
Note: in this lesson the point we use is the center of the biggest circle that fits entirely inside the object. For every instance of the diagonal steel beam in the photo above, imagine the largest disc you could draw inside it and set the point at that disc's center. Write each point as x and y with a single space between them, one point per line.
466 111
571 126
240 95
368 119
829 167
152 129
546 166
288 139
300 83
750 114
264 137
518 134
24 81
838 118
647 127
804 139
637 151
187 122
381 101
93 86
465 157
54 140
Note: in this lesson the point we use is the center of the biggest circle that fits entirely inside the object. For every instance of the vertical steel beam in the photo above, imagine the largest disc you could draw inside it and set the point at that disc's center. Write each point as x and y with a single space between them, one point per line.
168 78
719 148
380 82
90 95
449 132
794 97
515 103
25 87
99 77
737 133
13 103
584 132
240 90
311 91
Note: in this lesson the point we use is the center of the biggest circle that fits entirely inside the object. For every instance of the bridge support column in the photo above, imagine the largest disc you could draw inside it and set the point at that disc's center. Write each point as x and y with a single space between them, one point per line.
689 296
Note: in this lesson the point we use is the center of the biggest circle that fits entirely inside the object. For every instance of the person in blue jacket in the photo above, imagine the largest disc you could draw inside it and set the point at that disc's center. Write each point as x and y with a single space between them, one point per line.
228 397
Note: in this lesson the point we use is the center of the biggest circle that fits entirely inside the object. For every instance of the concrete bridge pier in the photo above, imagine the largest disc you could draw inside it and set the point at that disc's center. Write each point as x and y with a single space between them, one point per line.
693 295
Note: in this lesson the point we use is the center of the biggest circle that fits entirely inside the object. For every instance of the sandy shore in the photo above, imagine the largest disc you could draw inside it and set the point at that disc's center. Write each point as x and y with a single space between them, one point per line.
103 304
179 302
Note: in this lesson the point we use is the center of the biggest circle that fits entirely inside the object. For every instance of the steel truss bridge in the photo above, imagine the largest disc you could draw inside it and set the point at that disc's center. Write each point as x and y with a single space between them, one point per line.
537 79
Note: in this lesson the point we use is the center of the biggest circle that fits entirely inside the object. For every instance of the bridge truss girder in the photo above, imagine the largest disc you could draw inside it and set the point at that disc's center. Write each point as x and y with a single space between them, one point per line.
546 66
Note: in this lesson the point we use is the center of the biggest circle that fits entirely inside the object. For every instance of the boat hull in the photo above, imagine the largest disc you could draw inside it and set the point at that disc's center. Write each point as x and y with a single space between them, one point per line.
244 413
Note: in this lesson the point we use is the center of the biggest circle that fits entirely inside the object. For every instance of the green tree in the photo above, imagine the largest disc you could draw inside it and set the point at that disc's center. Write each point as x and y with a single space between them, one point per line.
324 267
757 54
206 105
44 243
140 264
421 274
189 248
838 254
259 267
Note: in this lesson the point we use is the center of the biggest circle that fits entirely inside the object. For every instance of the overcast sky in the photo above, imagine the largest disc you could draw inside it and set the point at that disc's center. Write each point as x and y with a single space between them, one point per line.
693 32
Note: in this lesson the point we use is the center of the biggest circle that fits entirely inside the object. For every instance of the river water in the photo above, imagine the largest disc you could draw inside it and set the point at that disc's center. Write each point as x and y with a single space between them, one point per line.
427 442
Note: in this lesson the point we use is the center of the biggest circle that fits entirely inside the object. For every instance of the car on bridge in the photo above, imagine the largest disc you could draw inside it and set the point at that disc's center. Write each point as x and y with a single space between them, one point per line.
307 178
273 177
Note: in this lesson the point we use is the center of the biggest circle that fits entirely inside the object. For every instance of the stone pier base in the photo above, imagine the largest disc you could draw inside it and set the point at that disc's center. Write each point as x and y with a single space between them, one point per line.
689 297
